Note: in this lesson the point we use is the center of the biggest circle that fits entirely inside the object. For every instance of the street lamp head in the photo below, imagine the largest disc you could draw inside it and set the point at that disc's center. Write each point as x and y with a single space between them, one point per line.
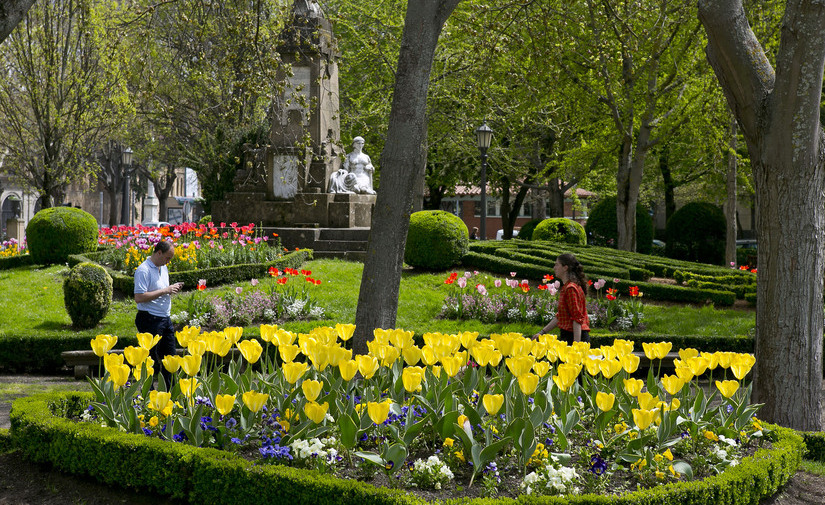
484 134
126 156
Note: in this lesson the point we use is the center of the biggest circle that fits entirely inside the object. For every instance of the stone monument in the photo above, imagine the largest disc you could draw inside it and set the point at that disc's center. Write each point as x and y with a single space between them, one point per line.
286 184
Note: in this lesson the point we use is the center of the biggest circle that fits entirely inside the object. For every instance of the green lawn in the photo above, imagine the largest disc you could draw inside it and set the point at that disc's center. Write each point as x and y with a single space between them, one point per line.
32 299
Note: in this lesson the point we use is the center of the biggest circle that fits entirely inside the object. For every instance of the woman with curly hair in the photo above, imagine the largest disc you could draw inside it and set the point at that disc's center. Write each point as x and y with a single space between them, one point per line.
571 317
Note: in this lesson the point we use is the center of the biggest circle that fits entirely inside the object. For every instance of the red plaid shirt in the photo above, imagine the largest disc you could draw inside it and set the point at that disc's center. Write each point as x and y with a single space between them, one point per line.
572 308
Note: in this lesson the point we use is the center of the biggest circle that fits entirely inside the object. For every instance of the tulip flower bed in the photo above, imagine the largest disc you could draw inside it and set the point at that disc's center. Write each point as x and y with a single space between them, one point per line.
501 416
196 246
488 299
281 301
11 247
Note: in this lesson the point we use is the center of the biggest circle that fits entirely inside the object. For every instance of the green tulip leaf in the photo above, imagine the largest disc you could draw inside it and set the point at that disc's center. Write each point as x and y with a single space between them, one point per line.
413 431
396 454
349 430
371 457
444 426
470 381
683 468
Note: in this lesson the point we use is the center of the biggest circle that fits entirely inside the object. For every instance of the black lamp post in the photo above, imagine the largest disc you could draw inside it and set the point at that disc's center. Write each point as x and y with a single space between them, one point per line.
484 135
126 208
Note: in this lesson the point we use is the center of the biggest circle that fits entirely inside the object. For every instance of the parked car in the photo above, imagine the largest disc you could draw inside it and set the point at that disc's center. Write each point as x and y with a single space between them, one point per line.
155 224
748 243
500 234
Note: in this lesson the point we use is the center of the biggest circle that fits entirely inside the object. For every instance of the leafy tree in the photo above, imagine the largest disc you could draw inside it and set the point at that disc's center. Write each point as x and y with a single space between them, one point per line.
778 111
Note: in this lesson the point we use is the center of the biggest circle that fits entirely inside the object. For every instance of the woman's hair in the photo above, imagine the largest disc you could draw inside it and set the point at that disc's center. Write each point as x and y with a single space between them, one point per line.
574 270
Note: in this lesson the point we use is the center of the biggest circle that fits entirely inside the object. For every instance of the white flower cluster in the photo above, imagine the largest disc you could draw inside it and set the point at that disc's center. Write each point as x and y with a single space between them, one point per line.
624 323
431 473
183 317
322 449
270 315
550 480
316 312
296 307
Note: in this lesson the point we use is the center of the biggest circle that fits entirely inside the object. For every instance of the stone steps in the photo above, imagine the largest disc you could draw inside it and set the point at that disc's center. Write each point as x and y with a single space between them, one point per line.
344 243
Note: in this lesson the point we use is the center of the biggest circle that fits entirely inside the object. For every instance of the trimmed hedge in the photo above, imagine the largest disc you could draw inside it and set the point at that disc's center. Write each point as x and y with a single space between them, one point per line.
214 276
21 260
560 229
436 240
55 233
36 354
602 228
814 445
702 343
697 232
211 476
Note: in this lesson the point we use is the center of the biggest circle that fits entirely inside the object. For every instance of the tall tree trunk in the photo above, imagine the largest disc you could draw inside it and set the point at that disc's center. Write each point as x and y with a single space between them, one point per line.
730 202
779 117
555 195
403 158
11 13
668 183
626 199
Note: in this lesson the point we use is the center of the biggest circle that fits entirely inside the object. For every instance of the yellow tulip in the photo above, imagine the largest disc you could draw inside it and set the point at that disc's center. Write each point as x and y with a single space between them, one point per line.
191 365
412 355
196 347
312 389
188 387
401 339
528 382
112 360
316 412
378 411
171 362
391 355
251 350
381 335
468 339
147 340
224 404
673 384
135 355
338 354
605 401
288 352
610 367
102 344
186 334
522 346
482 354
623 347
233 333
520 365
684 373
436 371
684 354
609 352
293 371
727 388
591 365
492 403
348 368
656 350
268 333
221 346
411 377
137 371
541 368
675 404
725 358
630 362
254 400
452 365
566 376
284 337
119 374
367 365
344 331
159 399
697 365
633 386
647 401
428 355
642 418
741 364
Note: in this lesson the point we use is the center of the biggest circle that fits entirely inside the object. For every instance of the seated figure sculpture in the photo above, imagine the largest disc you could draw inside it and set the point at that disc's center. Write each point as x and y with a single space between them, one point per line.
356 174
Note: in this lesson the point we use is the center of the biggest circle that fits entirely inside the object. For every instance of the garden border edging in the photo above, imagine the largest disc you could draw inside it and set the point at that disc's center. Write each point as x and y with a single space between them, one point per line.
212 476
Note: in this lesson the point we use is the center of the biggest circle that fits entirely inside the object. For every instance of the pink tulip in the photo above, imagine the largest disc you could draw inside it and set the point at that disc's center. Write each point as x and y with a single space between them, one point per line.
254 282
497 282
462 282
239 290
481 290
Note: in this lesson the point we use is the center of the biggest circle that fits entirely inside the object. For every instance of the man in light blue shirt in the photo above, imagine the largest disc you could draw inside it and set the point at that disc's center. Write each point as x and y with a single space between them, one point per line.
153 295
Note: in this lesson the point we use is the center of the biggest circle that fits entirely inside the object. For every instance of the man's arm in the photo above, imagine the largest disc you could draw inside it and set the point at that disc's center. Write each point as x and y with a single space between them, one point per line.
151 295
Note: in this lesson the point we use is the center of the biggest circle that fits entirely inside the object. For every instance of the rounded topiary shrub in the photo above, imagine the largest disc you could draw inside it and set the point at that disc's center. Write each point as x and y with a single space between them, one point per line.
205 220
602 230
696 232
560 229
437 240
55 233
87 294
526 231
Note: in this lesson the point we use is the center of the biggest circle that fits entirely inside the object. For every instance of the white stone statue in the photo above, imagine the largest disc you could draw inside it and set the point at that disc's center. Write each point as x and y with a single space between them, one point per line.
356 174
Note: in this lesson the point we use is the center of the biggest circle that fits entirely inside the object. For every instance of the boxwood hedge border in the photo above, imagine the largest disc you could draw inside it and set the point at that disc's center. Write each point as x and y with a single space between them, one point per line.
43 434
